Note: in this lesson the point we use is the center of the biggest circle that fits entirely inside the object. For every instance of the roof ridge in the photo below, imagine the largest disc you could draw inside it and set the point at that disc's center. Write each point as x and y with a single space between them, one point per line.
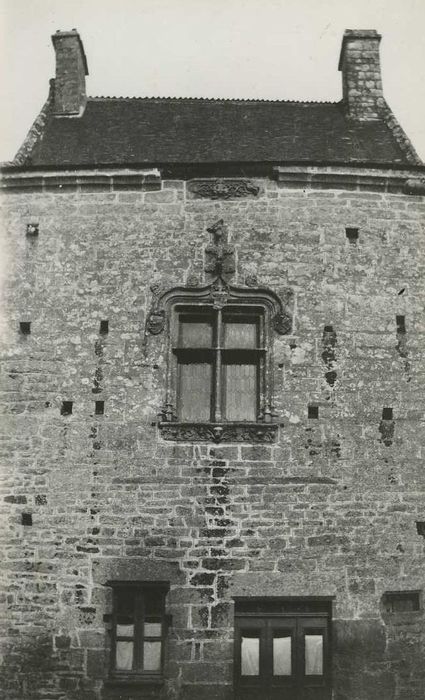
212 99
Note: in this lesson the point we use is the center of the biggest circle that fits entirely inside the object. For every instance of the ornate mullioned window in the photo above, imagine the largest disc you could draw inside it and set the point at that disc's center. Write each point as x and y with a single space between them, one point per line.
219 361
219 383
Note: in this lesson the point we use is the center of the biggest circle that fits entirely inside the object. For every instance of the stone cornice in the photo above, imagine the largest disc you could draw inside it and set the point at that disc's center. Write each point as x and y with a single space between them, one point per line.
104 180
351 179
410 181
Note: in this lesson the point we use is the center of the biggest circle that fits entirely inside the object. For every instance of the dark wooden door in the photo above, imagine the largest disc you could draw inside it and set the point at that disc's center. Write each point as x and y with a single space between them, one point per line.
282 657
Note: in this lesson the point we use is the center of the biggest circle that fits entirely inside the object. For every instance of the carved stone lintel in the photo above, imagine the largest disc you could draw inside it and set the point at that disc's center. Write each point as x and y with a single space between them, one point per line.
282 323
223 189
223 432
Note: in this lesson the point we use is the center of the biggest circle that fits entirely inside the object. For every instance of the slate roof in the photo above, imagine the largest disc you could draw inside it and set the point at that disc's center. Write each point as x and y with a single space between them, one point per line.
139 131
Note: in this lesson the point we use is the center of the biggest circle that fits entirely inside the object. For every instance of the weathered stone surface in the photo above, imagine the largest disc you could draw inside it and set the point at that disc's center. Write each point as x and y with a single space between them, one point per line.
330 509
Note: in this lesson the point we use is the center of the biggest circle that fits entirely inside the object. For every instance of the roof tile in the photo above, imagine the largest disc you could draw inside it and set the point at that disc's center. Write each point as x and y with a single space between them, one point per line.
139 131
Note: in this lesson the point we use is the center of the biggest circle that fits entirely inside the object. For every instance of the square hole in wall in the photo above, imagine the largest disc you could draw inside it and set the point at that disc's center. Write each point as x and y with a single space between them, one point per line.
104 327
32 230
25 327
313 411
99 408
352 235
387 413
26 519
401 601
401 324
420 527
66 408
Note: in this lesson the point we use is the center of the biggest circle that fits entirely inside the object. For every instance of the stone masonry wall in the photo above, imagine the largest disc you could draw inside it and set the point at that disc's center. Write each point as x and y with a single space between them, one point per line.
331 509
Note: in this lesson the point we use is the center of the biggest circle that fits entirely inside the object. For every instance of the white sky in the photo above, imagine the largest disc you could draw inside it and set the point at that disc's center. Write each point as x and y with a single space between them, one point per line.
274 49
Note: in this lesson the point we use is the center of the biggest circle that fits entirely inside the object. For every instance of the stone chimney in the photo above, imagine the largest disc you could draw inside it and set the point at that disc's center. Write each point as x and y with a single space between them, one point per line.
71 70
361 74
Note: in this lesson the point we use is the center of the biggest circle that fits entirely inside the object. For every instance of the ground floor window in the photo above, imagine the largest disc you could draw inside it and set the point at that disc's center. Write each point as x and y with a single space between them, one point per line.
138 630
282 649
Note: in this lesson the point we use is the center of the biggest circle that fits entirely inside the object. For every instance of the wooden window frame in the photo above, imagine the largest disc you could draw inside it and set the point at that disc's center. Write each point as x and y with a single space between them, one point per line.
139 591
219 355
392 602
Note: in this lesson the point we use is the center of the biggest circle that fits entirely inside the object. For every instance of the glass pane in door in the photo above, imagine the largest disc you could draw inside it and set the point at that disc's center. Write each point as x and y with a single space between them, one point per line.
250 656
282 654
313 655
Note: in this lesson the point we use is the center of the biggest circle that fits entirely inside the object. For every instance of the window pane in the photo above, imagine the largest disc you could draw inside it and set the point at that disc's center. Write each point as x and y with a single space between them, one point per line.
282 660
125 630
250 656
240 334
194 333
124 656
125 602
152 656
153 629
153 604
313 654
240 386
195 392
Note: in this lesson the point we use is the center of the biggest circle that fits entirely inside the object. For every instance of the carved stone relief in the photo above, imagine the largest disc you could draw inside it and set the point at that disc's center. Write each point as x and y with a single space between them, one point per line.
230 432
155 321
223 189
251 280
282 323
219 255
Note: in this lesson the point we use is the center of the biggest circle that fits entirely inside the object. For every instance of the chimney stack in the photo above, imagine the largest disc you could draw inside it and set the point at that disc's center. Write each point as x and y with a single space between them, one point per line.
361 74
71 70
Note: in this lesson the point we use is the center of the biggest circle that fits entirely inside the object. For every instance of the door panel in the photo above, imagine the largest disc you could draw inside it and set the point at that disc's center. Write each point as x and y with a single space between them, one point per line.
282 657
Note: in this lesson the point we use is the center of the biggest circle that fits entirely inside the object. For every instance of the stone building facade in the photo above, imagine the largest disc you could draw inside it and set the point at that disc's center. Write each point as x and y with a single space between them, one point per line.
213 397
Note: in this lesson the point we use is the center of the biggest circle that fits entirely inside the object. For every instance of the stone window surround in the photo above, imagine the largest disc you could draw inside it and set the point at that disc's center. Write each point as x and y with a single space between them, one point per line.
216 295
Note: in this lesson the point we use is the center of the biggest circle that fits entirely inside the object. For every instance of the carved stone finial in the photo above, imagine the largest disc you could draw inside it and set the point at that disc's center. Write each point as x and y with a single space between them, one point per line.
219 255
282 323
218 230
192 280
251 280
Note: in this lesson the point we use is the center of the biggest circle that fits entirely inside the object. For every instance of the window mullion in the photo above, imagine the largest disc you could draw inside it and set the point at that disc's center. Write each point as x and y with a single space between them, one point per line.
138 633
267 372
217 415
